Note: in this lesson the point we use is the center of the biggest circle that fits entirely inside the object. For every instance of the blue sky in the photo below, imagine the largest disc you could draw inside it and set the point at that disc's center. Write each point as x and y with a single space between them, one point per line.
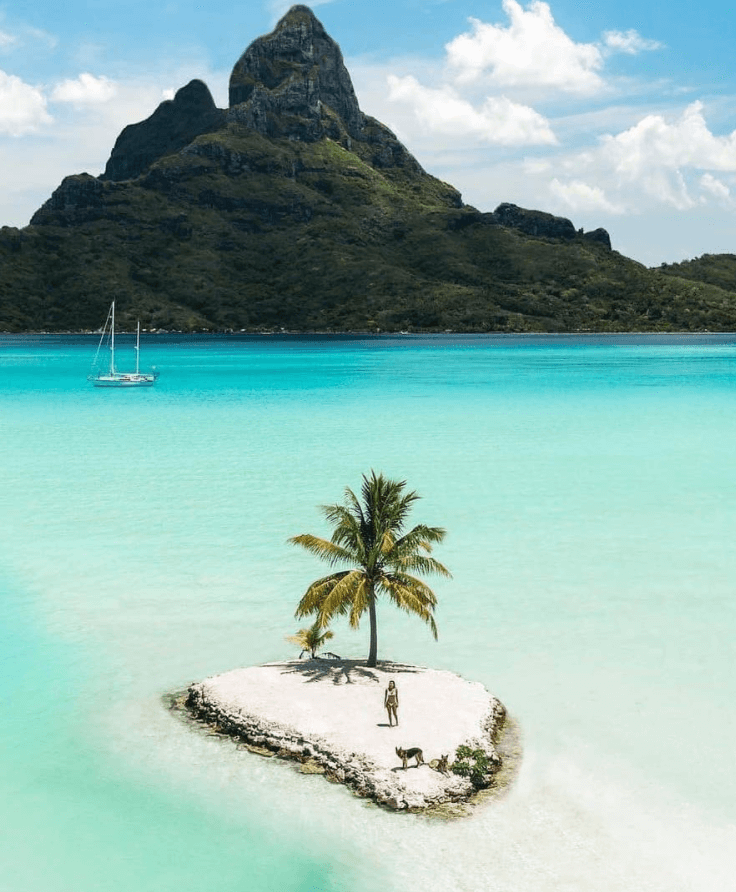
620 115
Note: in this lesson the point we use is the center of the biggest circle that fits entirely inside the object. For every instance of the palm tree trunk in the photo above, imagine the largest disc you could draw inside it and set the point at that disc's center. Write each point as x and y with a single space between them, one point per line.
373 650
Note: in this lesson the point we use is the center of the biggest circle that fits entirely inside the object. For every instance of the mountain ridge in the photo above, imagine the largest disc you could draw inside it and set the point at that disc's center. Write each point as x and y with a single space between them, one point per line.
294 209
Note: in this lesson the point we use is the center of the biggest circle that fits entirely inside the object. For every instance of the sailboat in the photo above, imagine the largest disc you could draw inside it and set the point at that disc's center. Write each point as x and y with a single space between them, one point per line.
112 377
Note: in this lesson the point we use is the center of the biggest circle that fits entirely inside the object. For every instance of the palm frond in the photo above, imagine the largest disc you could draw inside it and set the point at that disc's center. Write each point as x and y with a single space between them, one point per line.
417 587
353 505
337 514
360 602
421 537
418 563
388 542
339 600
350 534
324 549
412 596
388 504
312 600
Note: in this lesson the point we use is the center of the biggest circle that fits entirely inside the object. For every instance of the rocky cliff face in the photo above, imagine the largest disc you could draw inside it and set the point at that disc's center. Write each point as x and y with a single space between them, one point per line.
174 124
79 199
293 82
535 223
539 223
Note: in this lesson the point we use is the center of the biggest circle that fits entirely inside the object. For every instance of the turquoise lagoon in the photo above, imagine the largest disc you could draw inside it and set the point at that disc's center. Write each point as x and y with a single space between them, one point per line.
588 486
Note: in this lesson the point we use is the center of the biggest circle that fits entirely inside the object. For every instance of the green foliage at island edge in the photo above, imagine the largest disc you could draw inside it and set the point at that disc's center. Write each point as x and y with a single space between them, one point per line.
474 764
242 232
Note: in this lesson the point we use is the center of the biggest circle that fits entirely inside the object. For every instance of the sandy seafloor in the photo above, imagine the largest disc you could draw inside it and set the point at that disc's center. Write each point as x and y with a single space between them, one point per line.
588 487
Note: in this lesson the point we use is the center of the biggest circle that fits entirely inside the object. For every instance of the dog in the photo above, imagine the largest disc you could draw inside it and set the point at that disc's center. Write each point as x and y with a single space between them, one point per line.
442 764
413 753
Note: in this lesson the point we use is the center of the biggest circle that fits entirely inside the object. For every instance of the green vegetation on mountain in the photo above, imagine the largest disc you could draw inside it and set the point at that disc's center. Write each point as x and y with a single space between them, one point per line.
292 209
715 269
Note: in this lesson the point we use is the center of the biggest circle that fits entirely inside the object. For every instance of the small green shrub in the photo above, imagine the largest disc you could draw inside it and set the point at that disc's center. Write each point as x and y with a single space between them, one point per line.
473 764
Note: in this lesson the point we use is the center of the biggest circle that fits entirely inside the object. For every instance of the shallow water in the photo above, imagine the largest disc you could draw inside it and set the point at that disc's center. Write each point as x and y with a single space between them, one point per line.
588 488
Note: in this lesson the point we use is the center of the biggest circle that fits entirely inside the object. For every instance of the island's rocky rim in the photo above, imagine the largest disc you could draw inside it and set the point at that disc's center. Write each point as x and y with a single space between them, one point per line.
328 715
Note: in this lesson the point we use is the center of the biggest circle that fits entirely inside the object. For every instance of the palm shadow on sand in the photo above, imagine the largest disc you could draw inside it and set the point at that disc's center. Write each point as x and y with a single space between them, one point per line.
344 671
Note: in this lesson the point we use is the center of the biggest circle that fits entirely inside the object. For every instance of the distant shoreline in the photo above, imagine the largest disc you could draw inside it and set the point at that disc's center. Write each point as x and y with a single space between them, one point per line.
347 335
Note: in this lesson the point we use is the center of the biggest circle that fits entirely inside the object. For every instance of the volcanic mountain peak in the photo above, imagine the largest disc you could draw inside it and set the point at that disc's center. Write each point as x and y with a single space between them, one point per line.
293 209
294 79
174 124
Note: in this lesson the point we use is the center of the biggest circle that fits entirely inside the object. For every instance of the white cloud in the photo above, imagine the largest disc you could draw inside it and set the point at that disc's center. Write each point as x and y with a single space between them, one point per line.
580 196
630 42
84 90
715 187
38 35
24 36
532 50
22 107
658 162
655 143
536 165
443 111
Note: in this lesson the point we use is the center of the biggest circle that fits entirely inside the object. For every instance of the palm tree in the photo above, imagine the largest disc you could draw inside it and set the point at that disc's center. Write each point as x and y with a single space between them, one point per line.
369 538
310 639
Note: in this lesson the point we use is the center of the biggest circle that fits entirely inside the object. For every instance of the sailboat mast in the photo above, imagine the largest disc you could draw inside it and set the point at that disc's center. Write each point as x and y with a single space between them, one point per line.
112 341
138 348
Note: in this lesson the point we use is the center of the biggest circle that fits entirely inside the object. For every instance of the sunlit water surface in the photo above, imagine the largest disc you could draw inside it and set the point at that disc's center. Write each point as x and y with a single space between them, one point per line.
588 487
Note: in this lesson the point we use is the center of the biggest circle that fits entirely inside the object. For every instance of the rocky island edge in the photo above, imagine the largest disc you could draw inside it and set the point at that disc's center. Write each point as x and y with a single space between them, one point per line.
328 715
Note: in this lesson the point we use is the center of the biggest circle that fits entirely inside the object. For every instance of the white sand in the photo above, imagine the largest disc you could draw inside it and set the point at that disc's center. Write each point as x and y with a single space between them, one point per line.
335 709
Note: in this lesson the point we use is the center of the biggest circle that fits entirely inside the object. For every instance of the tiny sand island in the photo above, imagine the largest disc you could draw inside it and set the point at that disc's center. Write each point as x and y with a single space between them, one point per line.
329 715
407 737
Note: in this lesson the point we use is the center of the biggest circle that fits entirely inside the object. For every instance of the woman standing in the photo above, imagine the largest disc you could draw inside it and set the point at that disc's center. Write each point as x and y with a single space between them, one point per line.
391 702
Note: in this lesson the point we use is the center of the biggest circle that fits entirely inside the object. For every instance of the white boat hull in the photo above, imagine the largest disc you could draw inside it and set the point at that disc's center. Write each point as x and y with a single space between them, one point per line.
123 379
